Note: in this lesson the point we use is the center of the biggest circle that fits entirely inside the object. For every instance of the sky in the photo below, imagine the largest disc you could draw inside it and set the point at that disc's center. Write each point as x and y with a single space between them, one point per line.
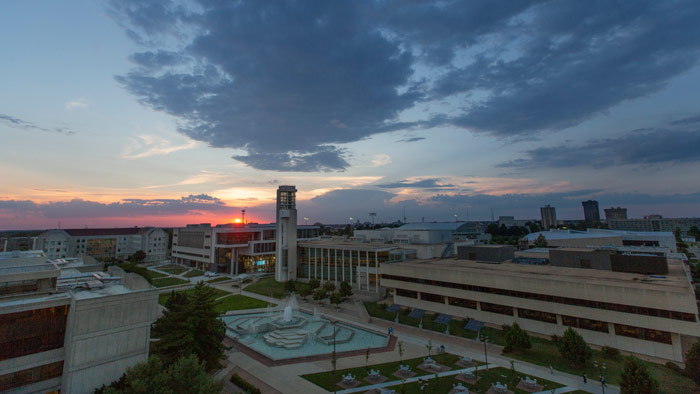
163 113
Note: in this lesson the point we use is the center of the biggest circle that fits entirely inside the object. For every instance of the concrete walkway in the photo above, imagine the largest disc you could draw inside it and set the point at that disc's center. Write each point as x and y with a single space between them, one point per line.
355 313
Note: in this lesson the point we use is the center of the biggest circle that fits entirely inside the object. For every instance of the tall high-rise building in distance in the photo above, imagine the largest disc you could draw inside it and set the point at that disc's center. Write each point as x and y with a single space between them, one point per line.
549 217
615 213
286 251
591 213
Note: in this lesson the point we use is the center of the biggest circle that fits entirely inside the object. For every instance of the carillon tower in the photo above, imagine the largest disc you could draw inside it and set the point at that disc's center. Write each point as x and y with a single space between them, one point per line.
286 252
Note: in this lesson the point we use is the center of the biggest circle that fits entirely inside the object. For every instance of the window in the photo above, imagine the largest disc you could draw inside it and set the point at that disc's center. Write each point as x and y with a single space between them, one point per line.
407 293
537 315
496 308
586 324
462 303
432 297
31 375
34 331
643 333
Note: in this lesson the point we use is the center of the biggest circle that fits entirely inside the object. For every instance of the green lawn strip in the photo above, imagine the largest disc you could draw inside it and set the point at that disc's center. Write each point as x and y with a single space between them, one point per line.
164 297
169 281
270 287
325 379
456 325
194 273
669 381
238 302
220 279
156 275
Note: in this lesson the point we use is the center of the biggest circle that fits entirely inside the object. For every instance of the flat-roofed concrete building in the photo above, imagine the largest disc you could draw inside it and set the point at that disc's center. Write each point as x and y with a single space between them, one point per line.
591 212
601 237
615 213
636 313
654 223
105 243
62 329
549 217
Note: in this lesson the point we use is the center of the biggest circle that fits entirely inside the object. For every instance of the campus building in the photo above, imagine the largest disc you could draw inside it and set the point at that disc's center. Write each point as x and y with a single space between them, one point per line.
64 330
615 214
549 217
591 212
105 243
654 223
650 315
231 248
601 237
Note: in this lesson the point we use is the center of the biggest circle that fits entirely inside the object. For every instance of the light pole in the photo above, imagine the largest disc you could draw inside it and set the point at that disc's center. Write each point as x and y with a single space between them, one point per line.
485 339
306 221
601 367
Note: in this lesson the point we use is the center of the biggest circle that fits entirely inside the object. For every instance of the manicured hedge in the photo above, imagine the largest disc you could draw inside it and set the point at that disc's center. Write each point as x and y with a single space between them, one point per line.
244 384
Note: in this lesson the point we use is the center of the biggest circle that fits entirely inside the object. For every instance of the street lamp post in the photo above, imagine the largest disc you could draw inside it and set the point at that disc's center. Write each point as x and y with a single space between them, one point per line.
601 368
486 356
306 221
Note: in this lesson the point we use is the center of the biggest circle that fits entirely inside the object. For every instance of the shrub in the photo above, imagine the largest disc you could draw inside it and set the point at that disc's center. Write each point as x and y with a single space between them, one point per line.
573 348
517 339
692 363
674 367
289 286
345 289
314 284
244 384
555 339
329 287
635 378
132 267
319 294
610 353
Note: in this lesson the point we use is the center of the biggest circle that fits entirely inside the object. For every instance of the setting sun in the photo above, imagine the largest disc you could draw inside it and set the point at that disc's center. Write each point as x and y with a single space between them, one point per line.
236 220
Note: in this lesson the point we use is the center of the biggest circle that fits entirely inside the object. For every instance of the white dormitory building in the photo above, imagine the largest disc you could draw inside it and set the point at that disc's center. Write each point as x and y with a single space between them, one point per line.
69 327
105 243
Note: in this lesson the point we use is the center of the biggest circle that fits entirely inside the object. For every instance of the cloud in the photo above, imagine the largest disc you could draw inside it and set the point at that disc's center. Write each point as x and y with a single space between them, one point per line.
25 125
381 159
641 147
289 82
78 208
420 184
152 145
77 103
412 139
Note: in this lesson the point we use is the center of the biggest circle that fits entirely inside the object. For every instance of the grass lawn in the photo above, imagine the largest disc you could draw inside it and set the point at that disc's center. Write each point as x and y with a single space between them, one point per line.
194 273
324 379
238 302
270 287
456 325
220 279
156 275
164 297
169 281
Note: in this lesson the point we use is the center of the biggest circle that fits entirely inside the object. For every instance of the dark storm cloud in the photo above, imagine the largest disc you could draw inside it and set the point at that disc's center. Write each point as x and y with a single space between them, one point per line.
25 125
288 81
78 208
430 183
660 146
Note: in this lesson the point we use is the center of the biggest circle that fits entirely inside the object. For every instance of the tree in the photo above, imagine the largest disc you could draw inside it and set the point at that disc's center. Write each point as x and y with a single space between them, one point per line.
540 242
573 348
336 299
190 325
186 375
314 284
635 378
692 363
304 291
319 294
517 339
138 256
289 286
677 233
329 287
345 289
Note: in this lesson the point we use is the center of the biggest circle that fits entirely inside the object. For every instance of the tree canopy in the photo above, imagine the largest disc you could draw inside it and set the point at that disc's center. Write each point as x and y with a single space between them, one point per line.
190 325
635 378
186 375
517 339
573 348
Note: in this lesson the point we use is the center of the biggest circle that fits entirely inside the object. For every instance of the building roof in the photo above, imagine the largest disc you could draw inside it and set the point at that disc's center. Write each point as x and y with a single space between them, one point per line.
87 232
439 226
568 234
348 245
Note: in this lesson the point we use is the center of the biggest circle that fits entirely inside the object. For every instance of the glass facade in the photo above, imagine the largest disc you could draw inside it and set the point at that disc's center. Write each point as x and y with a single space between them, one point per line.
263 263
104 248
31 375
34 331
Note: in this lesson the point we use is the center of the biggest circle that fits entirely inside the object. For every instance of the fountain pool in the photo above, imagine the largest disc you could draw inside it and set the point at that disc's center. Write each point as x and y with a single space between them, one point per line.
286 332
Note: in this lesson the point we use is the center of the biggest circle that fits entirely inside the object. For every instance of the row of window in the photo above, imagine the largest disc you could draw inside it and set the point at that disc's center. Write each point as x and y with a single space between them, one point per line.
556 299
31 375
33 331
568 321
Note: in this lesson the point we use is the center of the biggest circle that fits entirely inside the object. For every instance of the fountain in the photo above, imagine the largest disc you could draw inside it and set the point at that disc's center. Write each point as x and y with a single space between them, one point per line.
284 331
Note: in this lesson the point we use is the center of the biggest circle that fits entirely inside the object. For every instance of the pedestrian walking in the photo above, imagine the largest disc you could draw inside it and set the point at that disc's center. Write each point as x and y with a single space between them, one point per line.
551 370
602 381
585 379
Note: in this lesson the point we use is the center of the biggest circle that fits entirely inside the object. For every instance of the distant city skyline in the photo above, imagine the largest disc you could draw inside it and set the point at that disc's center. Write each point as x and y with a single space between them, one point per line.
126 114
